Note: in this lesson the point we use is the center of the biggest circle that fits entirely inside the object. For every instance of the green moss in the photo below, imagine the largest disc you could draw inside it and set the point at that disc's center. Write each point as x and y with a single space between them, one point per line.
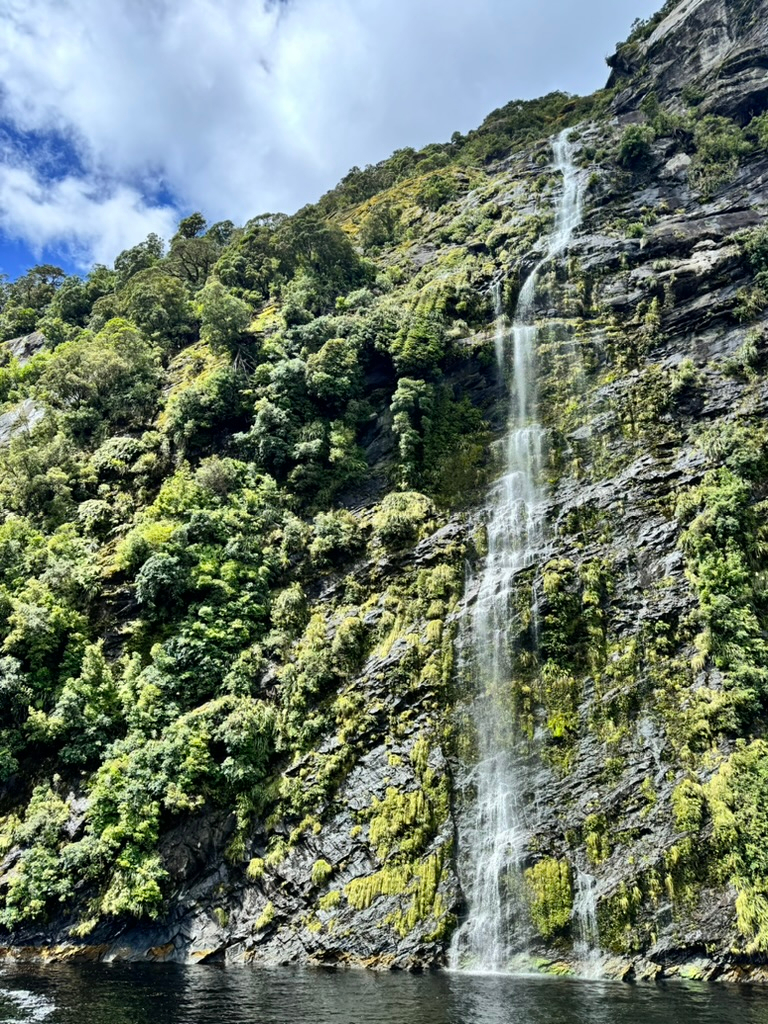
425 903
389 881
321 872
255 869
596 839
550 895
266 918
396 814
276 854
330 901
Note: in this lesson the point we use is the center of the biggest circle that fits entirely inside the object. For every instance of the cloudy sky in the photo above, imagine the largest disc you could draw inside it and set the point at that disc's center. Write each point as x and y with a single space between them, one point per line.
119 116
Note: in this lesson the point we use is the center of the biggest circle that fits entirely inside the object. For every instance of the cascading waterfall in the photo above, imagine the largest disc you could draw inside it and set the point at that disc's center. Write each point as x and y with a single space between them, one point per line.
587 946
492 838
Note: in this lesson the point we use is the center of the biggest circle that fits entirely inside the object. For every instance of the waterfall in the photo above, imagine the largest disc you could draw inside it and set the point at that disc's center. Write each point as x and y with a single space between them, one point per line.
492 835
587 945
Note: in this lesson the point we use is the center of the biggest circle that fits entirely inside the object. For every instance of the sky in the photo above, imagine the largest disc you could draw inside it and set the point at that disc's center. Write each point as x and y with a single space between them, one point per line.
118 117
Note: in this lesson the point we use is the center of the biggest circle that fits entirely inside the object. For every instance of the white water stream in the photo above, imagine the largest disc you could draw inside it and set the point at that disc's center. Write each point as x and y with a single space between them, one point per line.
587 945
493 835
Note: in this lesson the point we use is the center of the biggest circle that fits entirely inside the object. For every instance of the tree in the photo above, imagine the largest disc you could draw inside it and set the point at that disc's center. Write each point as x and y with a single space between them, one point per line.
142 256
113 379
192 259
224 318
158 304
221 232
190 226
37 287
333 374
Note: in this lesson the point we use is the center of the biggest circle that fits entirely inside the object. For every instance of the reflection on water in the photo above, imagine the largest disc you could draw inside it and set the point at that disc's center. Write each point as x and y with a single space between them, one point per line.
133 994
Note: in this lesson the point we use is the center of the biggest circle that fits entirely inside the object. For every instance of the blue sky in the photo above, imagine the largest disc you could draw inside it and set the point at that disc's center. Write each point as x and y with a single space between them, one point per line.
117 117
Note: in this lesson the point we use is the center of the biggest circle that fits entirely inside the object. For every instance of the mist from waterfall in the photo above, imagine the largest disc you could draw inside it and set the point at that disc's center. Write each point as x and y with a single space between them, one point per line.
494 831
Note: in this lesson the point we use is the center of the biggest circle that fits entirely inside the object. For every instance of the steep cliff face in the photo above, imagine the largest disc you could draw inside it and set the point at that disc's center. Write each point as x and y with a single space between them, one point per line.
640 685
714 49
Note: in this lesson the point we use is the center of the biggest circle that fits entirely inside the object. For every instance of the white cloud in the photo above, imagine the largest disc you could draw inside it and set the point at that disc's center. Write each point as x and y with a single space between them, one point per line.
87 226
243 106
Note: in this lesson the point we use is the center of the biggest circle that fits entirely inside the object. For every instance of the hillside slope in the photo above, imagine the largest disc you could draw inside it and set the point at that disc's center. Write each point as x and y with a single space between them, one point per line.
244 486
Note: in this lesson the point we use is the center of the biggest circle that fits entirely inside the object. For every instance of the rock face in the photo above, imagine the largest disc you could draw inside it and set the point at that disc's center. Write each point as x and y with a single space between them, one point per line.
26 346
643 695
715 47
22 416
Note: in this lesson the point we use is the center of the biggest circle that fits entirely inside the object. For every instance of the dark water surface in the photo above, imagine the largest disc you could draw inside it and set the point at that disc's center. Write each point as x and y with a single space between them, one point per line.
153 994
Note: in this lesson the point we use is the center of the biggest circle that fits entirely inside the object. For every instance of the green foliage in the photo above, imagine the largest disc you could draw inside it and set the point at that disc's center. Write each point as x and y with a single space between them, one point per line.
436 190
198 553
157 302
550 893
596 838
720 146
723 825
223 317
255 869
755 247
336 536
87 713
198 414
421 343
757 130
642 28
41 876
143 778
266 918
25 301
381 227
724 548
140 257
635 146
321 872
401 519
333 375
412 408
110 380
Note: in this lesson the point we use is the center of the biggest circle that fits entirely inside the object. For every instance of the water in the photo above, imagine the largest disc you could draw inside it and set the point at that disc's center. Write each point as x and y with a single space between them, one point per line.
162 994
587 945
493 835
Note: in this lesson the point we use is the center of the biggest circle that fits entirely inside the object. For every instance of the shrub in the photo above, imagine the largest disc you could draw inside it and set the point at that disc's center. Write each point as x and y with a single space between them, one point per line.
321 872
635 146
550 893
402 518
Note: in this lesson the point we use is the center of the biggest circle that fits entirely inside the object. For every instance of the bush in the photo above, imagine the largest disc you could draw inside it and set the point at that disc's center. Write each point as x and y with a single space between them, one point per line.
720 146
635 146
112 379
402 518
333 374
336 537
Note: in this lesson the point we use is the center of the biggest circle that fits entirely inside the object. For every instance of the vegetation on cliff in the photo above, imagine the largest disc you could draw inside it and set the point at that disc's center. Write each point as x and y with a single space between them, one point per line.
230 482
